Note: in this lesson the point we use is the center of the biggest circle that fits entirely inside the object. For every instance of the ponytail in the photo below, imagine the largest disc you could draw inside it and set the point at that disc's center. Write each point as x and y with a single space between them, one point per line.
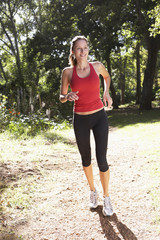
72 59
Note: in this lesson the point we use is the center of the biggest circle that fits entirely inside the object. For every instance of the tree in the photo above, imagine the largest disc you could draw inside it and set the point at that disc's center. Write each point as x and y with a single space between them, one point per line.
48 49
101 21
10 44
36 37
143 24
155 26
138 90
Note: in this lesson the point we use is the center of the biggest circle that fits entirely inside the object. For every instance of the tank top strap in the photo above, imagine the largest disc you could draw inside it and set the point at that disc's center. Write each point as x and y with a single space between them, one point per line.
73 73
93 71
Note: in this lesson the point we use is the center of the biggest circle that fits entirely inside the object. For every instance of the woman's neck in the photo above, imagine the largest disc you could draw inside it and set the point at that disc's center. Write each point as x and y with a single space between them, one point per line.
82 65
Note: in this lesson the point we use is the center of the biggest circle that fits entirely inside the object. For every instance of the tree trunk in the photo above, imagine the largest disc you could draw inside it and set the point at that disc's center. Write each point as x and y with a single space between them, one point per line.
113 92
153 46
138 89
31 105
123 79
122 86
17 55
4 76
13 46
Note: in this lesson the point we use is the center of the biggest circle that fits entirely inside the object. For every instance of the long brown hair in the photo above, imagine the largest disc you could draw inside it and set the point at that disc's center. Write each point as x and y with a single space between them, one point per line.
72 59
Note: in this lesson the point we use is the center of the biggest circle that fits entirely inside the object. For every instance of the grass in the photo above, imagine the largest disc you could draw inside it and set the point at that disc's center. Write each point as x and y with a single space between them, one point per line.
122 117
25 172
23 162
143 127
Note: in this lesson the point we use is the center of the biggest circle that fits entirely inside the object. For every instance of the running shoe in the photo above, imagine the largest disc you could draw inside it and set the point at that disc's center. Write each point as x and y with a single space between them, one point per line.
93 199
107 207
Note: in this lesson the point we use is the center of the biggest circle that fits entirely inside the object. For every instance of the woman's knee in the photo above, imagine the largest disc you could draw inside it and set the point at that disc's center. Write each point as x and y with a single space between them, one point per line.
86 161
103 167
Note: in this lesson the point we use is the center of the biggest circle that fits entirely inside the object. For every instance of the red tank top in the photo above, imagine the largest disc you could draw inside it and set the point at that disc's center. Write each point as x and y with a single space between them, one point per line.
89 91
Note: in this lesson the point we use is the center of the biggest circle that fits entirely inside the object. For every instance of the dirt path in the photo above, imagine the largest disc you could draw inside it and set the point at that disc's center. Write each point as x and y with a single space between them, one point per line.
61 212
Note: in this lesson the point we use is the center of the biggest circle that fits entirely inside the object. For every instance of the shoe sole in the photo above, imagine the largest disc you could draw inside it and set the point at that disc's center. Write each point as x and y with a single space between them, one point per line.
94 207
107 215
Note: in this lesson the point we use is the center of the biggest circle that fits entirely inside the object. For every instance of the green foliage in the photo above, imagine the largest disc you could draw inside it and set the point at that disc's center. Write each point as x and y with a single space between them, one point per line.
7 114
34 45
154 14
157 96
21 125
33 125
3 110
129 115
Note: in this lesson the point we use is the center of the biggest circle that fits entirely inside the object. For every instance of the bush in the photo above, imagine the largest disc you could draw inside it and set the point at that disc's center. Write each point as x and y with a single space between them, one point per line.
19 124
33 125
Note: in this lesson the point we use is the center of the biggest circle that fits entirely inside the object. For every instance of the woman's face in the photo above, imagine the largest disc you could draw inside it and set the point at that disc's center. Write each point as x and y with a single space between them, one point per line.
81 49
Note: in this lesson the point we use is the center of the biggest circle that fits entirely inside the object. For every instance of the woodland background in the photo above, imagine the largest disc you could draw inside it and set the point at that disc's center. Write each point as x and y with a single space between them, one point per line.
41 195
35 39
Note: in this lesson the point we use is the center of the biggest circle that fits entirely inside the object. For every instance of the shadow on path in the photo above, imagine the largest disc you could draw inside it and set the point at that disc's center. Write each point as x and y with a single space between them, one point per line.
54 137
109 225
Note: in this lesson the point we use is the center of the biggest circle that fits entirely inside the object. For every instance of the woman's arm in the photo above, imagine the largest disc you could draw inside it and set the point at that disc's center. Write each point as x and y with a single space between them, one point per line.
64 86
106 96
65 81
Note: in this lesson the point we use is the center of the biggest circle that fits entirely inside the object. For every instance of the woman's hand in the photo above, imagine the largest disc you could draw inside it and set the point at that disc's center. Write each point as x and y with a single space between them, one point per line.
107 99
72 96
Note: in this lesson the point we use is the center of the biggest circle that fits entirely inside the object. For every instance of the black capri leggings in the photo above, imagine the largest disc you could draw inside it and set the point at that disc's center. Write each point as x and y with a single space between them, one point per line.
98 123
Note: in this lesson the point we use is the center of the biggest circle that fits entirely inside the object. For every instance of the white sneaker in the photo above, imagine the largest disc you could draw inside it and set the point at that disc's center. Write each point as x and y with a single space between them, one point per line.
107 207
93 199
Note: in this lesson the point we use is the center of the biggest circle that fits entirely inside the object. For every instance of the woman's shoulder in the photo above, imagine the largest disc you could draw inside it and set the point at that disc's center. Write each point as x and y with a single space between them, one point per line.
68 69
97 65
67 73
